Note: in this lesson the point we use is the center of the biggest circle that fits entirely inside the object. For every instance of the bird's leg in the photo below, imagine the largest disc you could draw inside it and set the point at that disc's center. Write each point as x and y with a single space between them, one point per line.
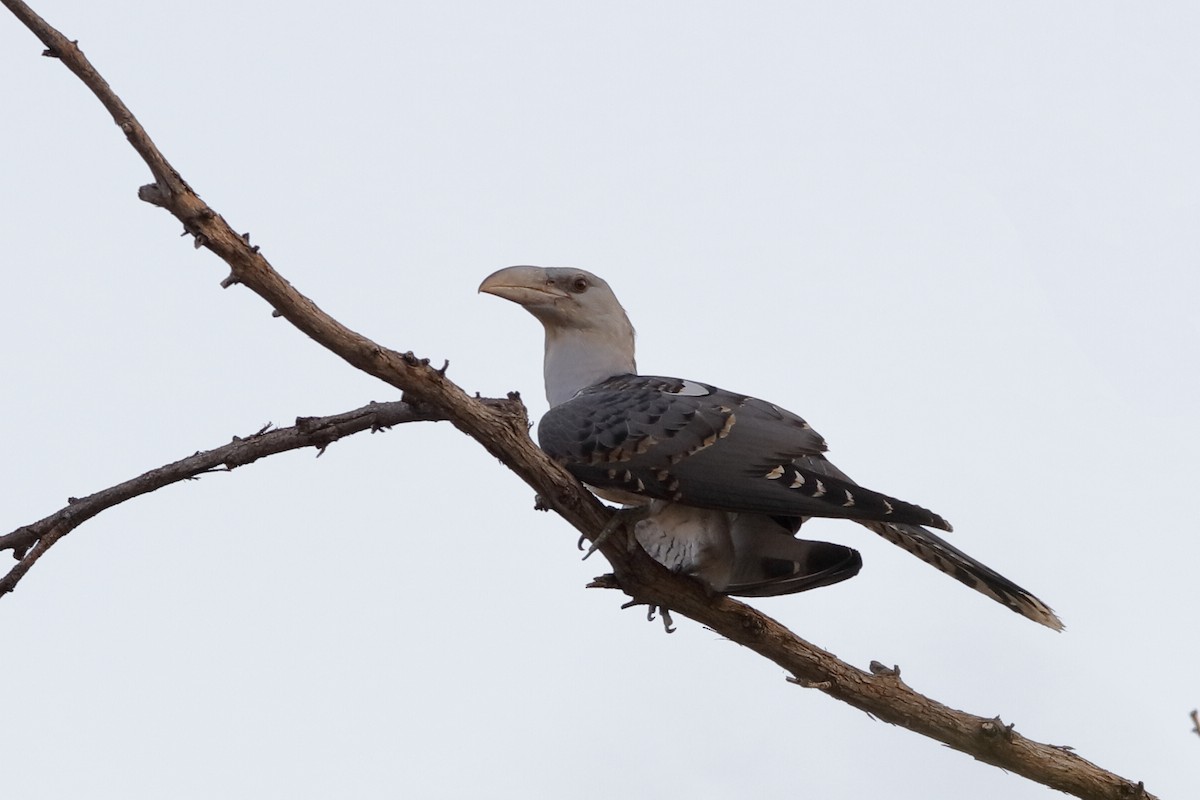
627 516
664 612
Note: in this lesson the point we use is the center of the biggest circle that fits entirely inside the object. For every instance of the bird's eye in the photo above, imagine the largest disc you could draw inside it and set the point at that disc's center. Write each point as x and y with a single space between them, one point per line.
579 285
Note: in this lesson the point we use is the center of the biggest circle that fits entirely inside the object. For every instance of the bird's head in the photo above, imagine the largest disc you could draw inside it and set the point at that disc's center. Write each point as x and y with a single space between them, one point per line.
559 297
588 336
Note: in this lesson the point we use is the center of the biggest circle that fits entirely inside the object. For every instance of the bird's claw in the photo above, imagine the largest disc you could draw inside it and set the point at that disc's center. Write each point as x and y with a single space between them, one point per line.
629 515
668 623
665 613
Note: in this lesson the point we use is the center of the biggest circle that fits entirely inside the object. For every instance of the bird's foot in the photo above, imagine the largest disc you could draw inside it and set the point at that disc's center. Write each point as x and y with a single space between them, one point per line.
651 608
628 517
665 613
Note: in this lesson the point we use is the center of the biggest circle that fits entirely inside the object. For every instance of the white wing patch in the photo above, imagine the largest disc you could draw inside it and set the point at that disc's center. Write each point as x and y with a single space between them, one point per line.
692 389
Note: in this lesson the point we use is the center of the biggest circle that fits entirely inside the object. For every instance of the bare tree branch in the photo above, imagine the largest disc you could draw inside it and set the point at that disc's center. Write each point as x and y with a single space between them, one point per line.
29 542
504 433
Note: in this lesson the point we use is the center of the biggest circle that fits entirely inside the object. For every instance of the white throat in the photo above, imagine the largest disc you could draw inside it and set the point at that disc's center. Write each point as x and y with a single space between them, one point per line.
576 359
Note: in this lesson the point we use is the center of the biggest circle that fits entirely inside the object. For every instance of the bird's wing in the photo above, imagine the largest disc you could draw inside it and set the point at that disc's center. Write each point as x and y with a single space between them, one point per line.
934 550
769 560
695 444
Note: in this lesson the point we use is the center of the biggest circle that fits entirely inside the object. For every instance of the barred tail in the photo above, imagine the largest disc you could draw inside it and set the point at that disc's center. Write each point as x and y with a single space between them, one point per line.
934 550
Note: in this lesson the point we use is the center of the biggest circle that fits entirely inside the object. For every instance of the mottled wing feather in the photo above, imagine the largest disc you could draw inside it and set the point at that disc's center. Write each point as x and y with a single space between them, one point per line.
692 443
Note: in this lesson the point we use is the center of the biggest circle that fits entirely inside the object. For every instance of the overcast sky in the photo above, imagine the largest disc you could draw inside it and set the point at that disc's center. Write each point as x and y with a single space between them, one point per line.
959 239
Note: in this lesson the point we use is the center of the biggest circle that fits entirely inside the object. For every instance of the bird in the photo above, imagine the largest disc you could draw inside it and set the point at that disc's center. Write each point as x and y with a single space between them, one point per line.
720 482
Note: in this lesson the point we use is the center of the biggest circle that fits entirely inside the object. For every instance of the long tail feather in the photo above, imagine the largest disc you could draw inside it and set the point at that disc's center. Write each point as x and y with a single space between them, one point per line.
934 550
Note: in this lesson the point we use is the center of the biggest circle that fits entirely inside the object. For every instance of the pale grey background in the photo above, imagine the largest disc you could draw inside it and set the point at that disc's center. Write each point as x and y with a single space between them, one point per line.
960 240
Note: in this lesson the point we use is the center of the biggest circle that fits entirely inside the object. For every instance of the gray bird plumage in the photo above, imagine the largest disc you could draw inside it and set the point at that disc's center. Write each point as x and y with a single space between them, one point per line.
728 479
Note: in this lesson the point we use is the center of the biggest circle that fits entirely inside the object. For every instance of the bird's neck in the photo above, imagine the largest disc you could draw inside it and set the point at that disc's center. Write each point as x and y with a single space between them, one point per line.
577 359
